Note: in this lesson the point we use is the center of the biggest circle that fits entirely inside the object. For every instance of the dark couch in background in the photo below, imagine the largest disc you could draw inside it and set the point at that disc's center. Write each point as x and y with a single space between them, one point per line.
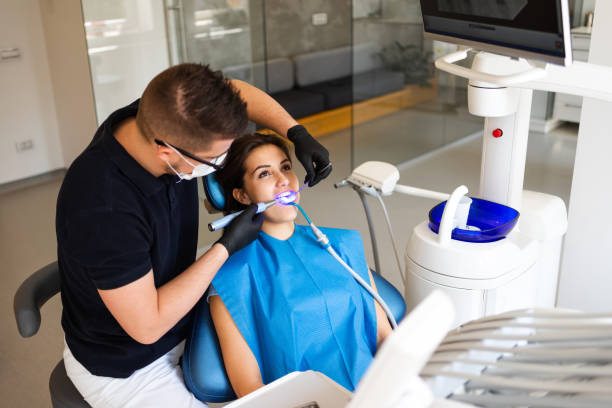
280 85
313 82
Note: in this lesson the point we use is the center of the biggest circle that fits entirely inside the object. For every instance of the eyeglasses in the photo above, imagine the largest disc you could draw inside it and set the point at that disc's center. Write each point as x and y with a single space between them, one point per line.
216 163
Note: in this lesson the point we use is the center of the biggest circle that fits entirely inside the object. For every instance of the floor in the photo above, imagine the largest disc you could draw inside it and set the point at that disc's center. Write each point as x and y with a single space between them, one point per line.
27 217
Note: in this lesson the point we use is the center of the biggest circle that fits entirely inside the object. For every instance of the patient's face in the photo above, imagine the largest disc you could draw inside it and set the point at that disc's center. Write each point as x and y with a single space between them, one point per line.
268 173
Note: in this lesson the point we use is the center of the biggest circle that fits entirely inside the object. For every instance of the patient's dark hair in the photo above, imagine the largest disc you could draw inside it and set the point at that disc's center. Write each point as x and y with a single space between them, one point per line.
232 174
189 105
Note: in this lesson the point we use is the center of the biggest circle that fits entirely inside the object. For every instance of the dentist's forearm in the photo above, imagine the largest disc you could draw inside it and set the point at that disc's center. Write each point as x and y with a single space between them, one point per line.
146 313
263 109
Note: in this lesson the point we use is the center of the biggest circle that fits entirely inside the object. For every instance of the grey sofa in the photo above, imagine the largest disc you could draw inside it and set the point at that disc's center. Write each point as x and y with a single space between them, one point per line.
345 75
322 80
280 85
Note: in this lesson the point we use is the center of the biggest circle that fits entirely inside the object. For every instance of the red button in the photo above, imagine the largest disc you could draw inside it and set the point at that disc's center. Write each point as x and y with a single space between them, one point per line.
498 133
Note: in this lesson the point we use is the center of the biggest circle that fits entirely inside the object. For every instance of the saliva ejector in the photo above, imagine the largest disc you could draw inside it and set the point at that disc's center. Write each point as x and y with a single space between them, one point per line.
288 198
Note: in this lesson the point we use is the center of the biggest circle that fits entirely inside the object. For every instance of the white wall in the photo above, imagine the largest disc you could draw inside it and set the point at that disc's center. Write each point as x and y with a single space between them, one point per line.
45 95
67 55
586 271
127 47
587 7
27 109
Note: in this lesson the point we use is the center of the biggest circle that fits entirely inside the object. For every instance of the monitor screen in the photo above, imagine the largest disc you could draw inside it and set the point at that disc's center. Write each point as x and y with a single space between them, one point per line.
522 28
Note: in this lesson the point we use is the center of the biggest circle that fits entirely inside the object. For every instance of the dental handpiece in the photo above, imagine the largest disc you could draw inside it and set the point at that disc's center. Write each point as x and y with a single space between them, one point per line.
284 198
222 222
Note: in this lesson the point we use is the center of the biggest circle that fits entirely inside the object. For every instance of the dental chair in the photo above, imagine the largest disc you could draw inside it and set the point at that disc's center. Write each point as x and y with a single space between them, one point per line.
202 362
203 368
31 295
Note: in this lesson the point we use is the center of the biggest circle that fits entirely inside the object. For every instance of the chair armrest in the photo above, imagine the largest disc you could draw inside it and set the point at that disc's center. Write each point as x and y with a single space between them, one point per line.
32 294
203 367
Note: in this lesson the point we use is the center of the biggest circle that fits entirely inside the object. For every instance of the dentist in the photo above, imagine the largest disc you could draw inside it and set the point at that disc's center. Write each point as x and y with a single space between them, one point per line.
127 230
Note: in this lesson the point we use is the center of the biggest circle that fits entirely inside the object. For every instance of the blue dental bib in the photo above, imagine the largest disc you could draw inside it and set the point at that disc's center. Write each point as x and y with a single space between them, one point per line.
298 309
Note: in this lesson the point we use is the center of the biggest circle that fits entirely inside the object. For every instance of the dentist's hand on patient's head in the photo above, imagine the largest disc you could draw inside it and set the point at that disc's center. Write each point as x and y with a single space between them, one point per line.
313 156
242 230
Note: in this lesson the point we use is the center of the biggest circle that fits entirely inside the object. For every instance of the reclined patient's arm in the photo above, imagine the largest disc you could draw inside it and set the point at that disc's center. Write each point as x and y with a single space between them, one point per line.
240 363
383 327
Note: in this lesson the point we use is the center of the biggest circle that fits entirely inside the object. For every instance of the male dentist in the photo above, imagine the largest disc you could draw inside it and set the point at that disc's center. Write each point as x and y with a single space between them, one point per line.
127 228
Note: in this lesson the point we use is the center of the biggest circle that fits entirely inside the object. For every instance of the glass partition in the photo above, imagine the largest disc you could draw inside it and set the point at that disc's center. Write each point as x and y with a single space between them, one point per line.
403 107
130 41
358 74
127 47
218 33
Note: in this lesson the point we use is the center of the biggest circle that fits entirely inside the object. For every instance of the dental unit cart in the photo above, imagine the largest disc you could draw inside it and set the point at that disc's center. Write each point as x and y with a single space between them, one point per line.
520 270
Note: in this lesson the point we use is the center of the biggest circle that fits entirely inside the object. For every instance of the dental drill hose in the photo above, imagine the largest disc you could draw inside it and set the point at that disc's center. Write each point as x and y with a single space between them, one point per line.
324 241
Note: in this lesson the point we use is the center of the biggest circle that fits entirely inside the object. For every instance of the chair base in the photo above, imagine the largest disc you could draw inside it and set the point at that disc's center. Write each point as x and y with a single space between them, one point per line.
63 392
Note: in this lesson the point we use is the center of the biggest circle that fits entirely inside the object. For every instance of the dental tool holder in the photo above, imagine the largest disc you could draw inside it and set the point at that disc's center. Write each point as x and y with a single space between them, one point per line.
535 357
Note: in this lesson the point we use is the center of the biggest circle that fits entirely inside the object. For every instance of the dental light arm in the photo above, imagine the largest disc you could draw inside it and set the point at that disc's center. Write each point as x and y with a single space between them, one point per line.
384 177
373 177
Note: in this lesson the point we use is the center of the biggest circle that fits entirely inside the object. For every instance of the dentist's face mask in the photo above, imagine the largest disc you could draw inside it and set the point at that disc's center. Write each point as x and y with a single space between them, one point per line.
200 170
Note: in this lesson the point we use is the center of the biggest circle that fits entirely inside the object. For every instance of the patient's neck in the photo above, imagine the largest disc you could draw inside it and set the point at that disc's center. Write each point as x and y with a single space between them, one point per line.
279 230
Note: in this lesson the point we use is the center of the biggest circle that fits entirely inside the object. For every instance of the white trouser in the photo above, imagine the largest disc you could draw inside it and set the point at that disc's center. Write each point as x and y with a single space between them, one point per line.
160 384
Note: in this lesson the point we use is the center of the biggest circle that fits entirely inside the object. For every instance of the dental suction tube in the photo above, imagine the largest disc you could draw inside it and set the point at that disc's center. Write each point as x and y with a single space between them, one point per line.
324 242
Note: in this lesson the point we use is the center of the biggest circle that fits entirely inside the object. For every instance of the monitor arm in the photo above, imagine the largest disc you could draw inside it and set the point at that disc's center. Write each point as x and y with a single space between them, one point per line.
500 90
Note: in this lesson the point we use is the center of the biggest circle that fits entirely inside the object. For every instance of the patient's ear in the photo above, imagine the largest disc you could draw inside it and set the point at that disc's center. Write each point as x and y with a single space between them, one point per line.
241 196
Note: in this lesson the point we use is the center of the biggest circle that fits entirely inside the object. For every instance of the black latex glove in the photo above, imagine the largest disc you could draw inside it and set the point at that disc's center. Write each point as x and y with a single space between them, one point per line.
242 230
313 156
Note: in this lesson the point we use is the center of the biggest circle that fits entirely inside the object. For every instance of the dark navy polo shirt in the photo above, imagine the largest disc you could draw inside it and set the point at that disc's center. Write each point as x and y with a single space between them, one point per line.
115 221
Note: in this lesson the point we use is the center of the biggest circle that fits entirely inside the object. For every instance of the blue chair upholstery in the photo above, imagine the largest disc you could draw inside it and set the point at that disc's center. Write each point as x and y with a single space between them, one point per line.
213 191
392 297
203 367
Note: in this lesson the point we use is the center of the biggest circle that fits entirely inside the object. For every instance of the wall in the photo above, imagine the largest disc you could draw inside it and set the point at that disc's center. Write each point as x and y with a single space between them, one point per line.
289 29
390 21
217 32
588 6
586 269
27 109
69 67
127 47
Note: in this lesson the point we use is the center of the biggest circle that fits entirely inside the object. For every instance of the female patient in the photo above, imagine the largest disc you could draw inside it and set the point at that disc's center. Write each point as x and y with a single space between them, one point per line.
283 304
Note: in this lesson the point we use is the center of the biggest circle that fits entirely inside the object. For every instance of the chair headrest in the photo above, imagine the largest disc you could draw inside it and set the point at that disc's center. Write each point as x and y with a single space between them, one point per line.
214 191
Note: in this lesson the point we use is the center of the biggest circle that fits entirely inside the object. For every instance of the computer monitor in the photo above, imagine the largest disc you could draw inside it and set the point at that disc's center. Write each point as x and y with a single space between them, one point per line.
534 29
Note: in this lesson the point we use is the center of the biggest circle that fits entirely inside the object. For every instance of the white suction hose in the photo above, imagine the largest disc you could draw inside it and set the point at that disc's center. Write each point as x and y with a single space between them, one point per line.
393 241
324 241
447 223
